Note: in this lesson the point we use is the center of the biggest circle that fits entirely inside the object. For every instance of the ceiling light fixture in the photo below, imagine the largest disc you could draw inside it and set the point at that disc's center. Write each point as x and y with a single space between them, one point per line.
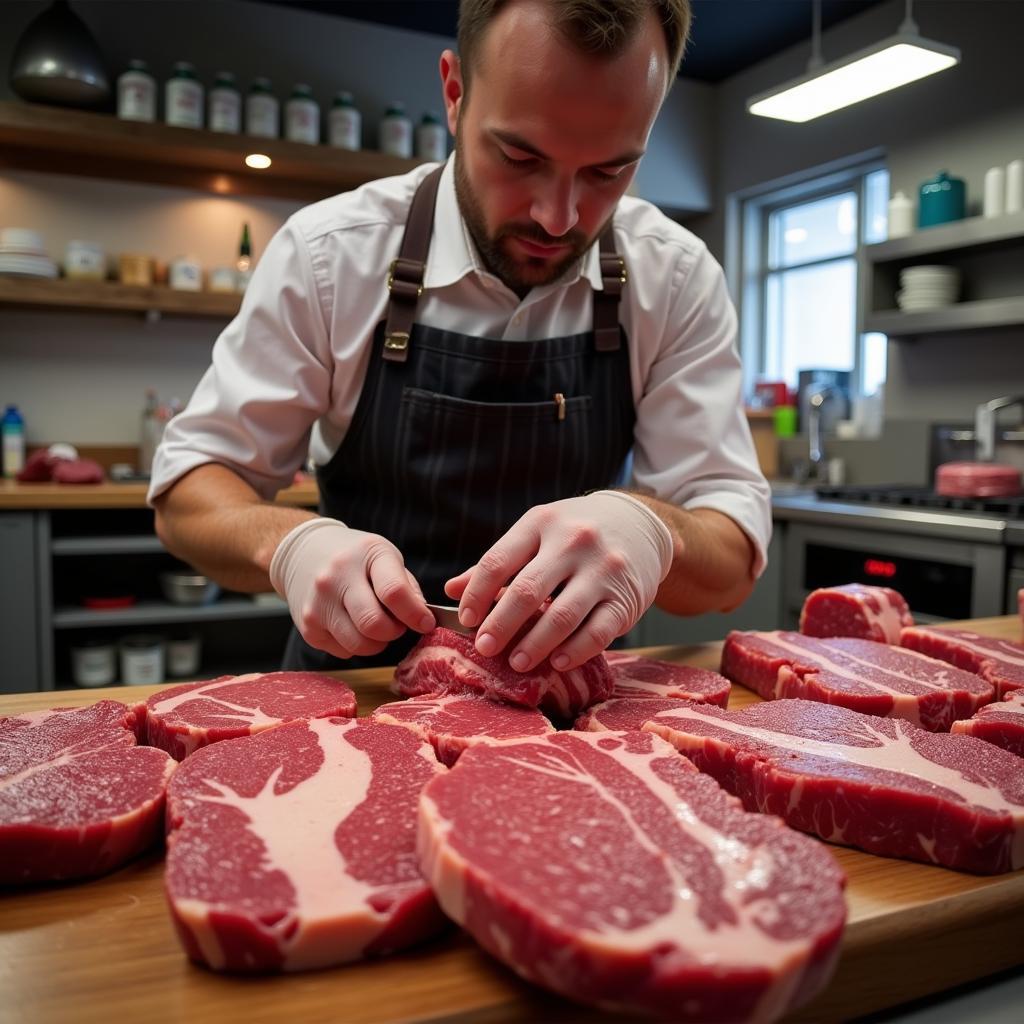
897 60
258 161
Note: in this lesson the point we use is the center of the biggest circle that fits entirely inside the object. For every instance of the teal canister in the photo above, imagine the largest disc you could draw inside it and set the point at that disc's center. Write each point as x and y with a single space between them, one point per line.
941 200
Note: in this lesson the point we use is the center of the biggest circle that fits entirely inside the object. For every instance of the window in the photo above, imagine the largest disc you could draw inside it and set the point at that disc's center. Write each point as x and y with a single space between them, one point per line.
800 262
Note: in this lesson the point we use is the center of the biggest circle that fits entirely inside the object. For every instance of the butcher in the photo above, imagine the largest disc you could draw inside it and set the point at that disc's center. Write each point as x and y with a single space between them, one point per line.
516 382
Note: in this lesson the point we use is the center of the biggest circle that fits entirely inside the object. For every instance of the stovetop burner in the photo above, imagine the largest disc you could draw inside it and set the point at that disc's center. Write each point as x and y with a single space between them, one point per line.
923 497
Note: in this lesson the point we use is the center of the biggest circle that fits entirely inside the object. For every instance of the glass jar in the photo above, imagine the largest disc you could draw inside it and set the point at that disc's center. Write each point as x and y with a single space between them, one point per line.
344 123
262 111
302 116
183 97
396 132
431 138
136 93
225 114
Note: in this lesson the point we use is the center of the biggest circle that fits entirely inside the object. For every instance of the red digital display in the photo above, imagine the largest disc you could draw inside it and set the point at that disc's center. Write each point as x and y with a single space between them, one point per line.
878 567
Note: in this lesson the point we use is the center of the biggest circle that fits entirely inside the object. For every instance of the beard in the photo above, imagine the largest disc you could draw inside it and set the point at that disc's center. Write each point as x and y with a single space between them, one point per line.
518 273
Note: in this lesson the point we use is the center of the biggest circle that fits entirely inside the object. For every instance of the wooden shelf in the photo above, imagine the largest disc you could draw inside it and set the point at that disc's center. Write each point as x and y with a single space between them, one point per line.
37 292
960 316
61 141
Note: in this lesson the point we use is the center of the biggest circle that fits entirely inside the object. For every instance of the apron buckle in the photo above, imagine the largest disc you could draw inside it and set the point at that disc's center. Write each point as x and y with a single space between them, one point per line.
396 346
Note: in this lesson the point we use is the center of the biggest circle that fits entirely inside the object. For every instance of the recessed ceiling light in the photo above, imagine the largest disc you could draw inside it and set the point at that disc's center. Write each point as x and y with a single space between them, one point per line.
257 160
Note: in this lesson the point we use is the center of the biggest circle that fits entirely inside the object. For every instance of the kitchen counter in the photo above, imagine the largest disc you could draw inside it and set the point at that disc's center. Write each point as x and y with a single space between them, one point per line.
104 949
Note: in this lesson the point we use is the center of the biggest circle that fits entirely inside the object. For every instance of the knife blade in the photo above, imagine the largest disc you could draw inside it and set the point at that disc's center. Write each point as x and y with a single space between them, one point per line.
448 617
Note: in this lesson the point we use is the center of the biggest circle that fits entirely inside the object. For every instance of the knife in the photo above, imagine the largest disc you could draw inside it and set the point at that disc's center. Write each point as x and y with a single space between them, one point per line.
448 617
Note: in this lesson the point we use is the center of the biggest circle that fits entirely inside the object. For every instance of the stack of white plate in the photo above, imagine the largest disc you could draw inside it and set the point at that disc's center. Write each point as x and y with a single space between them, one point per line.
22 252
928 287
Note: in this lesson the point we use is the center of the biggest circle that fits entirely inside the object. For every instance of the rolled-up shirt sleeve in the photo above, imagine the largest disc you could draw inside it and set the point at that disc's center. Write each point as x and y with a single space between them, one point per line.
269 380
693 446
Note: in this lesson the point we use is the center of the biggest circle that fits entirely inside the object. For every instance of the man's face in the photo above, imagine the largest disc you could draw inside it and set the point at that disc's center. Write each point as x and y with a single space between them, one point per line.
547 140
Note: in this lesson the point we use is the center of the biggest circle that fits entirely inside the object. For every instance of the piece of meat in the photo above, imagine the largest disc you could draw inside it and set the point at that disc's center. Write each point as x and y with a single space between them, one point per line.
859 674
636 676
453 722
880 784
181 719
295 848
444 661
999 662
78 471
78 797
855 609
1000 723
604 867
977 480
621 714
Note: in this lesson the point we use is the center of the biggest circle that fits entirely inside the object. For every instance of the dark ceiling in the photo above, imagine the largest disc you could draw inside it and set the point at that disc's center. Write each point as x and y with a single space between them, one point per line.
728 35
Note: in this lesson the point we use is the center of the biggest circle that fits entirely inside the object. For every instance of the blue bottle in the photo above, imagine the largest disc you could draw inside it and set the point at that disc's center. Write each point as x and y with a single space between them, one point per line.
12 427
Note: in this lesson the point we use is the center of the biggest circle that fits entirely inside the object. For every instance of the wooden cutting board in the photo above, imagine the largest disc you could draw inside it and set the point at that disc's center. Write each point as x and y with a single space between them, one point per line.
104 951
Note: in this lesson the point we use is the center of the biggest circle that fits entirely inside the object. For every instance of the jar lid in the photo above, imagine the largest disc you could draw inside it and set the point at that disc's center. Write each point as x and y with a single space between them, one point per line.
138 65
430 118
224 78
395 110
182 69
343 99
260 85
302 91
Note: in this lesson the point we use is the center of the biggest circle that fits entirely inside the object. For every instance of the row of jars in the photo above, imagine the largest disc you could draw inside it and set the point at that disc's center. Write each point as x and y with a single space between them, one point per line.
224 109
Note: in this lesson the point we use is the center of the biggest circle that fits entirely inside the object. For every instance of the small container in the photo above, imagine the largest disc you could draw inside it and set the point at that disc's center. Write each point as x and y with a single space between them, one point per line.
994 201
784 420
396 132
93 663
942 199
136 93
223 279
901 216
344 123
187 587
183 97
142 660
186 274
225 113
302 116
1015 186
183 655
262 111
135 268
85 261
12 431
431 138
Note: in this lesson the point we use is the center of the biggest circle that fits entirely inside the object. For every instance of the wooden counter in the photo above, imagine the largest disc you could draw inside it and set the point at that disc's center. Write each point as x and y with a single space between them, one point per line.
104 950
14 495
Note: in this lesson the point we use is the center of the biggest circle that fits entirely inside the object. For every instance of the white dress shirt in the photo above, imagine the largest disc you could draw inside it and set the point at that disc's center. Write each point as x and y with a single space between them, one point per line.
287 372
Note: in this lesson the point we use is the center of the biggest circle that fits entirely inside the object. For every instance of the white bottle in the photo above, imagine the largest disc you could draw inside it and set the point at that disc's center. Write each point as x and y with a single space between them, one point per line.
1015 186
262 111
396 132
302 116
901 216
344 123
431 138
995 192
136 93
183 97
225 114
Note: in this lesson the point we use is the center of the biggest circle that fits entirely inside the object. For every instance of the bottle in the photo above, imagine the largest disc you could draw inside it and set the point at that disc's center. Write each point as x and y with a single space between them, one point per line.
150 432
901 215
396 132
243 268
993 203
431 138
183 97
344 123
136 93
262 112
1015 186
225 113
302 116
13 429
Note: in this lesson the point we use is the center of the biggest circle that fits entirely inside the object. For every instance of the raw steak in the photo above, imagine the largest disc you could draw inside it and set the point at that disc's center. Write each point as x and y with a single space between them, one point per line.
636 676
603 866
880 784
295 848
1001 724
623 713
181 719
447 662
999 662
871 613
78 797
859 674
452 722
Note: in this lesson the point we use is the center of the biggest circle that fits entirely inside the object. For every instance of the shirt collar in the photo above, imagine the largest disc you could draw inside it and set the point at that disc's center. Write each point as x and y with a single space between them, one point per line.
453 255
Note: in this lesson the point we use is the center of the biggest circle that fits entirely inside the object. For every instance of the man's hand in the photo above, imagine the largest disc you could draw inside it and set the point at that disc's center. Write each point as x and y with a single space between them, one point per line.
349 592
607 551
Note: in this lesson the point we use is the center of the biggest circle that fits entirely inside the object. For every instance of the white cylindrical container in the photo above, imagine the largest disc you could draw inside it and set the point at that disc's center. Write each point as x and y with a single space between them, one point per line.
186 274
85 261
142 660
993 204
901 216
183 655
93 663
302 116
396 132
183 97
1015 186
431 138
344 123
136 93
225 114
262 111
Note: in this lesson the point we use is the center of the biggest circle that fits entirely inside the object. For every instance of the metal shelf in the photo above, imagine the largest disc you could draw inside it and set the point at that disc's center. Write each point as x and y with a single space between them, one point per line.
960 316
962 235
159 613
117 545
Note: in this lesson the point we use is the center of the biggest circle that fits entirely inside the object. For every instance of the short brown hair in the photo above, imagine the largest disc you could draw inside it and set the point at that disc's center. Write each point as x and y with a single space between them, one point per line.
599 27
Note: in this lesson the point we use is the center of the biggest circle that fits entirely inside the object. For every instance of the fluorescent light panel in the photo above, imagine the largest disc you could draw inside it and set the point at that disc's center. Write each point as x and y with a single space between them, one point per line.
893 62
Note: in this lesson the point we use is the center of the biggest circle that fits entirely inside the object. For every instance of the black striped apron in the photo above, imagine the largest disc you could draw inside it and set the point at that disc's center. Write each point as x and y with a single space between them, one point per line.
454 436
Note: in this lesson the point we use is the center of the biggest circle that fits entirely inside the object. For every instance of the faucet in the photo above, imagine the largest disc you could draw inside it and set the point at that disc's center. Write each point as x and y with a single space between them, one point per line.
985 425
816 464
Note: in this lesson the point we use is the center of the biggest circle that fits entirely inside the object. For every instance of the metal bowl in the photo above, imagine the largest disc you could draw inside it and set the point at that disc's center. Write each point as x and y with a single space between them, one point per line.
188 588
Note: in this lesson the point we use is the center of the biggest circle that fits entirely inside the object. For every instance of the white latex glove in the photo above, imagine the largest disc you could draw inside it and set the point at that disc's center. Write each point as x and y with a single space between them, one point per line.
349 592
608 551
